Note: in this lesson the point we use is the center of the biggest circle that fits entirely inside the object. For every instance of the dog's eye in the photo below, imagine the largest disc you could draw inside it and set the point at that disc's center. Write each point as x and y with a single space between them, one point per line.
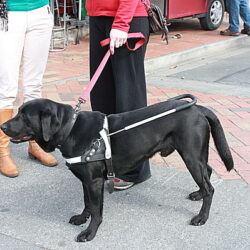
26 121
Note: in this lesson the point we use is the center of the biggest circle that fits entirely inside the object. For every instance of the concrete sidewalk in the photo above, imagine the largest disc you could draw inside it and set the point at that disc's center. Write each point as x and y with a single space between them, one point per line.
36 206
35 209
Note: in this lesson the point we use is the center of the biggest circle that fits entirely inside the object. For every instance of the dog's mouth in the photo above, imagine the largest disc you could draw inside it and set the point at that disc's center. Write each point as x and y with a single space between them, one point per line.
22 139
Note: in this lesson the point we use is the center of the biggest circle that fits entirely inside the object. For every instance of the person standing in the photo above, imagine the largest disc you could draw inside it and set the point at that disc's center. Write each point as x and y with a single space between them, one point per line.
122 86
25 32
236 9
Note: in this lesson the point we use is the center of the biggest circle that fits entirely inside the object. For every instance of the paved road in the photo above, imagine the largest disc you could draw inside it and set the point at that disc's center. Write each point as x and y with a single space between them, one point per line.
226 73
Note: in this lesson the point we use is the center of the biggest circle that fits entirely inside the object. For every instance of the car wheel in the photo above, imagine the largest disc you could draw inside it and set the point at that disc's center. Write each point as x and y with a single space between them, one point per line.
214 16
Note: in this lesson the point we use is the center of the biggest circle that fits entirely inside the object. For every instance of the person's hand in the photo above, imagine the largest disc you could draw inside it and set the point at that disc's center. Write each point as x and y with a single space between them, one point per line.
117 39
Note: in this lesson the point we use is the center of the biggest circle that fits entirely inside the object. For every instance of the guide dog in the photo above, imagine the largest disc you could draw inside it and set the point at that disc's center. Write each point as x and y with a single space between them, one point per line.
54 125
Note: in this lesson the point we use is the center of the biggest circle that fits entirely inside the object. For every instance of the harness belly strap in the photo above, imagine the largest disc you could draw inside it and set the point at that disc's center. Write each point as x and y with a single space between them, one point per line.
95 153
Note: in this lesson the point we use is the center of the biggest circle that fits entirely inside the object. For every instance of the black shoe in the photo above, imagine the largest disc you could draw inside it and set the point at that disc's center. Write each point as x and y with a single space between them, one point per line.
246 31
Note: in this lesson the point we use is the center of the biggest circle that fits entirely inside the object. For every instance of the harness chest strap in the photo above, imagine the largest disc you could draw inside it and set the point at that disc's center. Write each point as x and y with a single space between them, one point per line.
99 150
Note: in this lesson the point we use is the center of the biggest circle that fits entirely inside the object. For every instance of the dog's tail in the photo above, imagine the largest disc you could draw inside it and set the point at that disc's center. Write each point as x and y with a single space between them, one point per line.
219 137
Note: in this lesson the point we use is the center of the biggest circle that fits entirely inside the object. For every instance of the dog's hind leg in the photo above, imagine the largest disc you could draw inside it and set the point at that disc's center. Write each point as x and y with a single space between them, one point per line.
199 172
197 195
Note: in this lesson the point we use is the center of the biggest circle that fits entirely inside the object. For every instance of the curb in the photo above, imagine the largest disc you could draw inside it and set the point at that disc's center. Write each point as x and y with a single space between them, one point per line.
183 56
197 52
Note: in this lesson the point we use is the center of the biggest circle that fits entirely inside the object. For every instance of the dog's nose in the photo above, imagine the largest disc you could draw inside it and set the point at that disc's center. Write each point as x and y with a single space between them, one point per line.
3 127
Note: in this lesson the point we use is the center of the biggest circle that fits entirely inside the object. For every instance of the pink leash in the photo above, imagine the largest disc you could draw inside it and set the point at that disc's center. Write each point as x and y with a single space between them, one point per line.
91 84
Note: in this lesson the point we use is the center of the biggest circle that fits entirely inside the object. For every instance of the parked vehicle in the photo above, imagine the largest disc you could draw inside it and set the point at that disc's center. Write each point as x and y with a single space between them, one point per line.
209 12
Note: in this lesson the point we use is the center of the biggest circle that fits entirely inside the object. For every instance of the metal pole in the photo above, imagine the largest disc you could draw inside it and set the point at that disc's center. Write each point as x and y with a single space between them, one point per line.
80 10
64 23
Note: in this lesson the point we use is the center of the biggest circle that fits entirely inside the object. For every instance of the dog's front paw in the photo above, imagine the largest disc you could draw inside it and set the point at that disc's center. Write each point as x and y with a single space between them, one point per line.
79 219
195 196
198 220
86 235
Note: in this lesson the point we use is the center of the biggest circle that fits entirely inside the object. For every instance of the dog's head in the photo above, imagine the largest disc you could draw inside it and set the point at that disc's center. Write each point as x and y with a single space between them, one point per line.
38 120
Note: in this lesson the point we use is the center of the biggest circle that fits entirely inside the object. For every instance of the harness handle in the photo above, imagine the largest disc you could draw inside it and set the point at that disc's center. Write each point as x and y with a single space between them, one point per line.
187 105
168 112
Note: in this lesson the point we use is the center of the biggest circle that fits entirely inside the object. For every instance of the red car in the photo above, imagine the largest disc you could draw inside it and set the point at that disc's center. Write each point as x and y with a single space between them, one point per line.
209 12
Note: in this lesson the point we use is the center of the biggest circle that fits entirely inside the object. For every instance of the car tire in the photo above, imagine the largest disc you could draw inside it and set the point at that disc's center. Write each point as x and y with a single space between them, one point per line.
214 15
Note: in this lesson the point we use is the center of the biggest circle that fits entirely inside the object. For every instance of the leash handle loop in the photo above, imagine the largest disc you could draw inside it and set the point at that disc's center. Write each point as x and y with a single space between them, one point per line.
138 44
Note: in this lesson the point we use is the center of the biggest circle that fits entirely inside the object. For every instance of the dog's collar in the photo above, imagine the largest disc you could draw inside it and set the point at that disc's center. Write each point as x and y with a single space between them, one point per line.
68 129
99 150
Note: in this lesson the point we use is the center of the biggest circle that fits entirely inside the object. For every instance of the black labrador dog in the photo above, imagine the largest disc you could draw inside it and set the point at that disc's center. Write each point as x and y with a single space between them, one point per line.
53 125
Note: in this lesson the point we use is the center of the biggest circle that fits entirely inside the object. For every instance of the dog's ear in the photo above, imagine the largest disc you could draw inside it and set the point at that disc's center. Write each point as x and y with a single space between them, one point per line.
50 124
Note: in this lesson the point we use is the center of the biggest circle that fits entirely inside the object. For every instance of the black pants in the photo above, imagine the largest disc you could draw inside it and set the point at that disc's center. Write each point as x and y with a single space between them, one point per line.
121 86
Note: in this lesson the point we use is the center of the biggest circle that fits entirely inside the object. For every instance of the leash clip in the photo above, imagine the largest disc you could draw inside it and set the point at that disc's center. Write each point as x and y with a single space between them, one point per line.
78 105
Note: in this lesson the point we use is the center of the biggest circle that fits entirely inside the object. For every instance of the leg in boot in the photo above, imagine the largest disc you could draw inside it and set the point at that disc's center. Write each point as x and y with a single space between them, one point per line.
35 152
7 166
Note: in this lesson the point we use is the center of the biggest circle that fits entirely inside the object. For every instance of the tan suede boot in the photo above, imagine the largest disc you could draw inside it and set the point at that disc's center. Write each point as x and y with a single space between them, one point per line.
35 152
7 166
